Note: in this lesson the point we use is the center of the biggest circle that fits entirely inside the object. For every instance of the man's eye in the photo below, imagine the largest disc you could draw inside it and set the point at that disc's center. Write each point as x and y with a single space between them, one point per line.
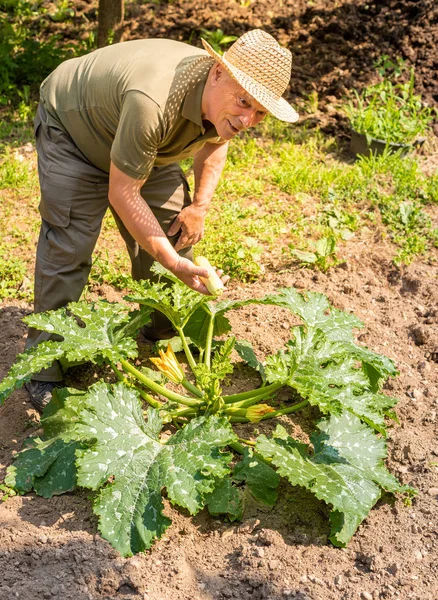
243 102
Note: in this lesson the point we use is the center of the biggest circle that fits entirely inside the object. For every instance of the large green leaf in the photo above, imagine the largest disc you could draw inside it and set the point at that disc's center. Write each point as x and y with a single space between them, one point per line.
26 364
132 464
246 352
344 468
261 480
90 332
177 301
328 374
226 499
48 465
316 312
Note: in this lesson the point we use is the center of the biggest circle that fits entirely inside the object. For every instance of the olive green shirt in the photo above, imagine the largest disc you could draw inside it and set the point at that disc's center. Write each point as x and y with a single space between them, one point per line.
137 104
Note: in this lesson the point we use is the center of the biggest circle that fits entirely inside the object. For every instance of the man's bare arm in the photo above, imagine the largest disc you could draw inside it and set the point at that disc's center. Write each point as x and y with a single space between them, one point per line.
124 196
208 165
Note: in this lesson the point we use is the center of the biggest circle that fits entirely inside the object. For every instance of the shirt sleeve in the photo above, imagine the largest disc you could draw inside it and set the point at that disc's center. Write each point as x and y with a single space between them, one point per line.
138 135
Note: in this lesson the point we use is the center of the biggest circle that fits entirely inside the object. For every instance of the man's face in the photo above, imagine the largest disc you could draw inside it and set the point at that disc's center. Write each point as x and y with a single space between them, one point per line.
228 106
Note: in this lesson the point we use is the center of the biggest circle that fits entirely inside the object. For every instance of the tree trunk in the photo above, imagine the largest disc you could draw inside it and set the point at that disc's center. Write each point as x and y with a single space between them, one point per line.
110 22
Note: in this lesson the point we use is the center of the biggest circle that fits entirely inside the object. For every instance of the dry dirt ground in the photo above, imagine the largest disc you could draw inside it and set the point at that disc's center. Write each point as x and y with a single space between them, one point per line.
50 548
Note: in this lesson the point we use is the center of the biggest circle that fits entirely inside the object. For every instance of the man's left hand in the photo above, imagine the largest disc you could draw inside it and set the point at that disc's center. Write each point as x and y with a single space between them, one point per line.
190 222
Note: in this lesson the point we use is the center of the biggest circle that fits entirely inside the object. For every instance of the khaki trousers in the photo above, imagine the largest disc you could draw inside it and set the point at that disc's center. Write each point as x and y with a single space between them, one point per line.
74 200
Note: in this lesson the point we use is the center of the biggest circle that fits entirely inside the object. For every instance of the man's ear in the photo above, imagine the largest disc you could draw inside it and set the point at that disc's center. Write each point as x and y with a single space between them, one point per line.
217 73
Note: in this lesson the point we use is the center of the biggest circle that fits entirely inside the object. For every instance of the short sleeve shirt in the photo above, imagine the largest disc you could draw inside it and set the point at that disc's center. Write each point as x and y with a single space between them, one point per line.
137 104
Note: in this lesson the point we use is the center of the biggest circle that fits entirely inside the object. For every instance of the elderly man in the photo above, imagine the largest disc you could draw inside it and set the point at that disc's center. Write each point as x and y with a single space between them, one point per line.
110 129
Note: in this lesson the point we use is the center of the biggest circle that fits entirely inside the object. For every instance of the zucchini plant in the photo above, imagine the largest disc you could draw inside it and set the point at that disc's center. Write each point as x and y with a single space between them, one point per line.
109 438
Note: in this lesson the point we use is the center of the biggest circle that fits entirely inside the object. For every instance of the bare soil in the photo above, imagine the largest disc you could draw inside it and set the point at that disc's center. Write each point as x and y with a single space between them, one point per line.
50 548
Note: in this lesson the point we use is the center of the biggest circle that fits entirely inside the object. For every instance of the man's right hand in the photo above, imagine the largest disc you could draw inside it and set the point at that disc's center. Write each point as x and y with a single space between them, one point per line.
189 274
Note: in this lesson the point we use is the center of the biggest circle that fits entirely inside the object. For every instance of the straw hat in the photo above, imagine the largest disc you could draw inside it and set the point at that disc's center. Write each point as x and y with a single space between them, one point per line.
262 67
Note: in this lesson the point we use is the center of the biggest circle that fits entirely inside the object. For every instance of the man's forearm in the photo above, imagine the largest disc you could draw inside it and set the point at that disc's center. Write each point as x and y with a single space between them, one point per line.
138 218
207 166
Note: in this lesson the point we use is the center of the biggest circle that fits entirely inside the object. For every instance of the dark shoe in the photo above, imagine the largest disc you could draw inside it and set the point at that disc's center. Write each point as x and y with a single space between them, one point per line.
40 393
152 334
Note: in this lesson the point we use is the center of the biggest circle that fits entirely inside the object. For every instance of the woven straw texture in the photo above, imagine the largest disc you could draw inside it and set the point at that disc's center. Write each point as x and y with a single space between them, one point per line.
263 68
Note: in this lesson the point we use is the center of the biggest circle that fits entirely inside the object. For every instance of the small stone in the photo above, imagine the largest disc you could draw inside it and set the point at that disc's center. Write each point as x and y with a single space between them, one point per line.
266 537
415 528
338 580
316 580
417 394
260 552
43 539
366 596
303 579
433 491
417 555
273 564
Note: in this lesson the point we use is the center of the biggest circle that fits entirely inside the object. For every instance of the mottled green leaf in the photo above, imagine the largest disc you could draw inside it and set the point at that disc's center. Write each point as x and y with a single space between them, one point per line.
328 374
246 352
316 312
262 481
133 465
48 465
89 331
28 363
344 468
226 499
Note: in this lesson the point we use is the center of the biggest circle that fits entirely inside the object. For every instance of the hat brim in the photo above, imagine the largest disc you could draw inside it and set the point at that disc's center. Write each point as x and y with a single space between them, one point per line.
278 107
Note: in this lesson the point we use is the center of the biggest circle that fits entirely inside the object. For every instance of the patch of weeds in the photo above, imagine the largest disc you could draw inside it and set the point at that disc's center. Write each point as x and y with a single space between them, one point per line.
107 270
229 246
16 172
14 282
323 255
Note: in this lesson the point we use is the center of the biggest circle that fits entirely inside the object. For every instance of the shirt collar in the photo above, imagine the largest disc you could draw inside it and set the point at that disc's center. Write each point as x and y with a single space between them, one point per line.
192 106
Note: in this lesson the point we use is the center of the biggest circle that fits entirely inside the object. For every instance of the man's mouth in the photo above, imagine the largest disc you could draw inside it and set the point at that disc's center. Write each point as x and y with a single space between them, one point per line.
233 129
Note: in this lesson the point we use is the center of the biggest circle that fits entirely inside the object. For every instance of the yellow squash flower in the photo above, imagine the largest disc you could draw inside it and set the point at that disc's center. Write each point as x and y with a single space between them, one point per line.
168 364
256 412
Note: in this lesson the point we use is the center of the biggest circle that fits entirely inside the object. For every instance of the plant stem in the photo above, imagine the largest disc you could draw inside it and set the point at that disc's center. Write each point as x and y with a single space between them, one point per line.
121 377
188 352
154 403
237 446
247 442
182 412
208 342
237 415
157 388
286 411
192 388
260 392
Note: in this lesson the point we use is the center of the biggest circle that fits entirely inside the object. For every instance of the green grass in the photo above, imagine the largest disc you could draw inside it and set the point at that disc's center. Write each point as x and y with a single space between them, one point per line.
283 192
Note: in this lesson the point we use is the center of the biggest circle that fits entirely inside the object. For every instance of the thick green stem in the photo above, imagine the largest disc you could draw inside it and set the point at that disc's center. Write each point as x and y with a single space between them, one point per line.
238 447
151 401
188 352
247 442
260 393
182 412
208 342
157 388
238 415
121 377
192 388
286 411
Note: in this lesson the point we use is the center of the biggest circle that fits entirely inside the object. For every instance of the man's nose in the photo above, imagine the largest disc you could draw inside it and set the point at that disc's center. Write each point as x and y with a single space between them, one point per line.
247 118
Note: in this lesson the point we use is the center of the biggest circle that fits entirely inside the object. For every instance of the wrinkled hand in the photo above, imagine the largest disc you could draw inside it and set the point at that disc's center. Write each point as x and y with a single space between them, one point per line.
189 274
191 223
